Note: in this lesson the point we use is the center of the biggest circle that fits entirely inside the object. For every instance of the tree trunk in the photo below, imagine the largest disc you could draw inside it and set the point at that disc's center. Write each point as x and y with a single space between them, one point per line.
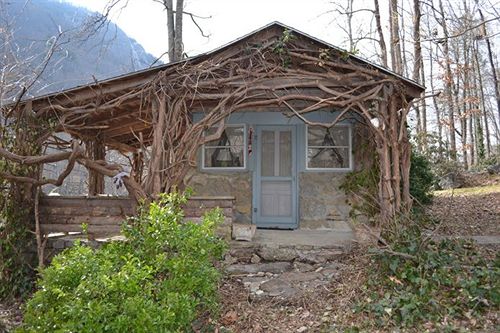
448 85
492 65
402 37
434 100
424 108
97 152
171 29
472 145
381 40
154 178
395 40
480 91
179 46
466 118
417 69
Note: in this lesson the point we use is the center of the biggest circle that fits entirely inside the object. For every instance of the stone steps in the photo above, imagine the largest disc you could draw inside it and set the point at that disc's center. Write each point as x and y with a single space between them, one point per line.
251 252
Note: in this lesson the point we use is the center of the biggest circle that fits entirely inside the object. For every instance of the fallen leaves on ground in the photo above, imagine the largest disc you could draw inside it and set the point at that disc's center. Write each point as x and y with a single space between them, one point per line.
468 211
10 315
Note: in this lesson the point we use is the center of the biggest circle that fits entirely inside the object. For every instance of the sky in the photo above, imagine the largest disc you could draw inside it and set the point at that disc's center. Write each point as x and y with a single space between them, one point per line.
145 21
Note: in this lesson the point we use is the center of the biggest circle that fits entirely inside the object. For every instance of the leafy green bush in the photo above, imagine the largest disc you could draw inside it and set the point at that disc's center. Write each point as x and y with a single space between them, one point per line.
159 280
435 282
422 178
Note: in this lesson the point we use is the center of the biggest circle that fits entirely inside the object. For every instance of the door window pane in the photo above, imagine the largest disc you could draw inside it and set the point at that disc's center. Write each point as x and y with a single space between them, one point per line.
267 158
285 155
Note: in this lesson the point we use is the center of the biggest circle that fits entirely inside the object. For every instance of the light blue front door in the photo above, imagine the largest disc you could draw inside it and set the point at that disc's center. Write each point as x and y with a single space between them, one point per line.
275 177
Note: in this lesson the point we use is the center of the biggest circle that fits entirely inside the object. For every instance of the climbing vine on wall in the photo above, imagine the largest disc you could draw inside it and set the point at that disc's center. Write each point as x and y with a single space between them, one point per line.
17 241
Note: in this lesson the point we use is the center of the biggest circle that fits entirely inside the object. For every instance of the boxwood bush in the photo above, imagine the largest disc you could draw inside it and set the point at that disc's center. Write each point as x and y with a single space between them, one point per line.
158 280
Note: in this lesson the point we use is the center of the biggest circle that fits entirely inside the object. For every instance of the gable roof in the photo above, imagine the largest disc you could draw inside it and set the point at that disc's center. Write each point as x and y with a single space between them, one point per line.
142 76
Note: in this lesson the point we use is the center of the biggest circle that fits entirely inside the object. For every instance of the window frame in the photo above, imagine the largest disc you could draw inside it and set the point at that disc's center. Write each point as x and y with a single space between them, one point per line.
245 153
349 147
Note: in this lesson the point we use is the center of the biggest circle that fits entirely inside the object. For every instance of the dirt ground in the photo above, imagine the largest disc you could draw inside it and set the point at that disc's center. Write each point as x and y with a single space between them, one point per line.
10 316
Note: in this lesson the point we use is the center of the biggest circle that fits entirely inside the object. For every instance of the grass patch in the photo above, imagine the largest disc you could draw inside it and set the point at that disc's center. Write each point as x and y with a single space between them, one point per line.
478 190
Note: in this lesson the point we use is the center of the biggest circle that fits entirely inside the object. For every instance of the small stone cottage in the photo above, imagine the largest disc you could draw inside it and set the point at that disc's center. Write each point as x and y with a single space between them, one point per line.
275 120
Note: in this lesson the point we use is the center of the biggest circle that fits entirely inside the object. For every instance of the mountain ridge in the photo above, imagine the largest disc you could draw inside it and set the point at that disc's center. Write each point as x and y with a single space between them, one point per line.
81 55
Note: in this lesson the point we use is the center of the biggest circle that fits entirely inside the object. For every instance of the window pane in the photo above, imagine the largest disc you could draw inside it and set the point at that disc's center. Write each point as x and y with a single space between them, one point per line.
231 136
285 154
340 136
316 135
334 136
224 157
276 198
267 160
328 158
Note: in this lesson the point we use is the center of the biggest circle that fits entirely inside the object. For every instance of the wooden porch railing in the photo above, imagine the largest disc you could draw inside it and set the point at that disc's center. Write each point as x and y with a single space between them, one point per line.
104 215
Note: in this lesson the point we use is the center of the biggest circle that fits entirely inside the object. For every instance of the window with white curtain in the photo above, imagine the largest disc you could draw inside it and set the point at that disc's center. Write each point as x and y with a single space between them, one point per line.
226 152
329 148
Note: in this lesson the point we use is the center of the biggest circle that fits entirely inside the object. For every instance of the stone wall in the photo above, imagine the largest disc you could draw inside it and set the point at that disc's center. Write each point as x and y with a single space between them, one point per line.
235 184
322 205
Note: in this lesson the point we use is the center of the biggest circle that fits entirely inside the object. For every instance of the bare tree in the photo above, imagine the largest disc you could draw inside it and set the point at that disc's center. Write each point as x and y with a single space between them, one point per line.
174 26
448 80
355 30
396 60
480 91
492 63
381 40
419 76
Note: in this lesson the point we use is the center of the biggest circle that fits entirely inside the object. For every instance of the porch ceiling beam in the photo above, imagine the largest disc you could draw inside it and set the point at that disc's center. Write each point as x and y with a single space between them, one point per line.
120 146
129 128
135 116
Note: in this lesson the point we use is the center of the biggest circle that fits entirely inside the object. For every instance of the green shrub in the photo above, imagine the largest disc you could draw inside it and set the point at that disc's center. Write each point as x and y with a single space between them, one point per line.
439 282
159 280
422 178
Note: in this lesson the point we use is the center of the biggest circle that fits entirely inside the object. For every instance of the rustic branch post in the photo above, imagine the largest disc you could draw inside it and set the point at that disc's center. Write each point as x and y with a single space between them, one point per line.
96 151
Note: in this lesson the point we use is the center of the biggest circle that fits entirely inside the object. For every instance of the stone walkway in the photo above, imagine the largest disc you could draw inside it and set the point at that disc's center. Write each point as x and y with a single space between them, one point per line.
285 279
289 266
270 271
